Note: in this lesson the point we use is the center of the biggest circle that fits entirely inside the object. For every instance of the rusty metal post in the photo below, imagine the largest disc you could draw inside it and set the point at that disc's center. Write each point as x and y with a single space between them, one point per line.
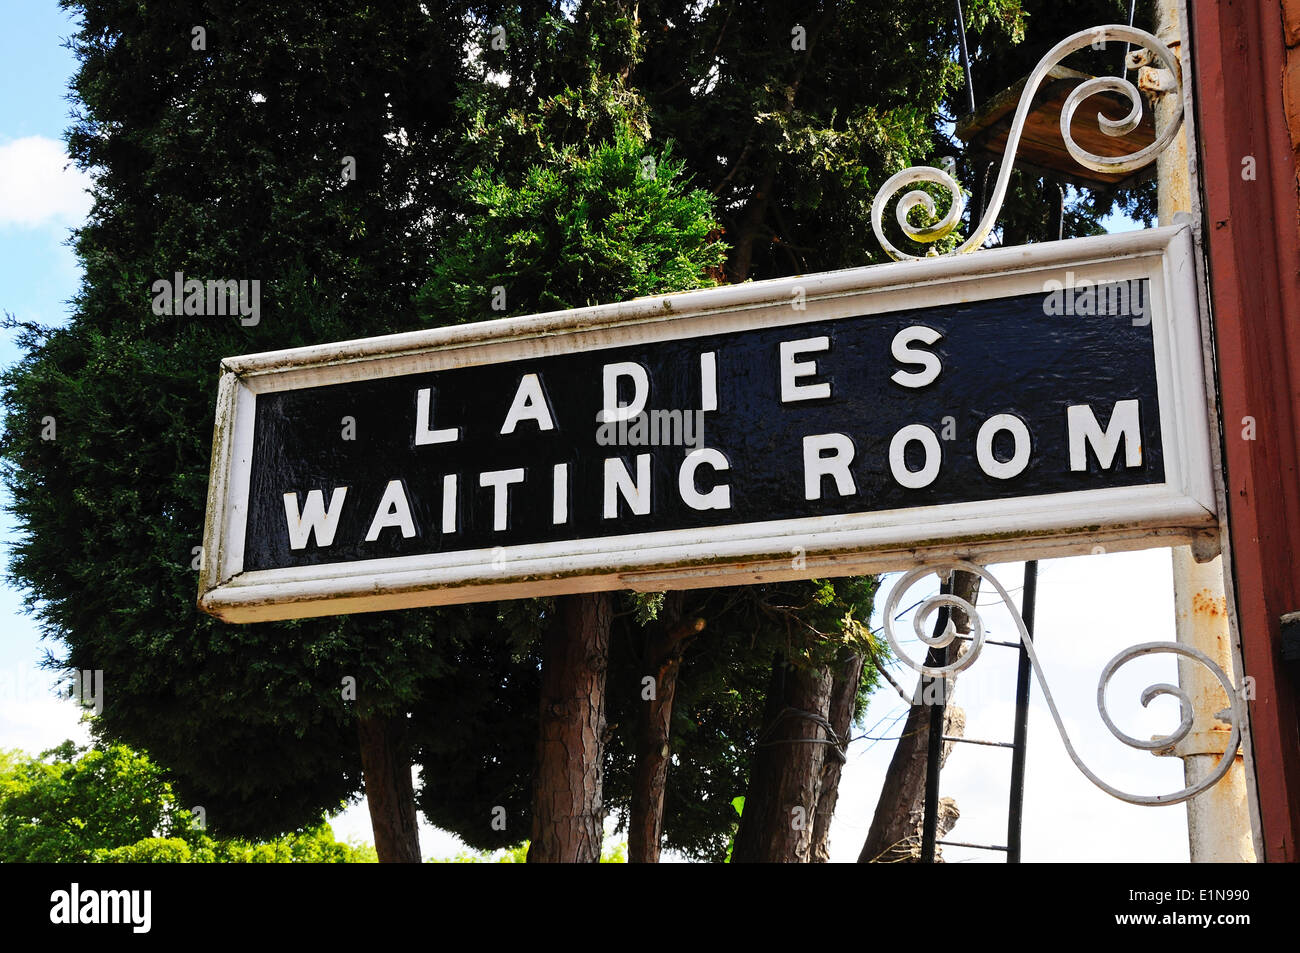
1218 821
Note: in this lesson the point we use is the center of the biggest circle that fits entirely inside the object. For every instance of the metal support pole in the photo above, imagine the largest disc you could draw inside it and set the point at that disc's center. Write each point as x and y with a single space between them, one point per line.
933 756
934 752
1015 812
1218 822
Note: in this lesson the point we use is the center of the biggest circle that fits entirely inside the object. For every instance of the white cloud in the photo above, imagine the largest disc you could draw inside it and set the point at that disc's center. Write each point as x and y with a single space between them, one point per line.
38 186
32 717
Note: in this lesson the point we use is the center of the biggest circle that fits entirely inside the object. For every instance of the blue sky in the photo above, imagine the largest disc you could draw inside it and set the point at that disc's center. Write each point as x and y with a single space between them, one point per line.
38 271
1089 607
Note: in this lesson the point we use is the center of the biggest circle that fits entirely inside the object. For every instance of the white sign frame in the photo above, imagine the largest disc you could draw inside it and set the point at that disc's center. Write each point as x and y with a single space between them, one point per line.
1181 510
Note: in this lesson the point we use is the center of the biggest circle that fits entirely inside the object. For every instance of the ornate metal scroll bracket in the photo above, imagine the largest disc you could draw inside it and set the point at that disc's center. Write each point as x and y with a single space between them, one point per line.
1233 715
1123 163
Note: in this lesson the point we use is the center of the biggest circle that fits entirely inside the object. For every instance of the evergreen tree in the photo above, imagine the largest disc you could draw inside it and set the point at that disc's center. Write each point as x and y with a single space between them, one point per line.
569 208
382 168
220 136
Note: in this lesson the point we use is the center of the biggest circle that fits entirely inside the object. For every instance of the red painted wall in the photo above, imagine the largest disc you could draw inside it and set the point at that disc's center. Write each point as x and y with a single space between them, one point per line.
1244 75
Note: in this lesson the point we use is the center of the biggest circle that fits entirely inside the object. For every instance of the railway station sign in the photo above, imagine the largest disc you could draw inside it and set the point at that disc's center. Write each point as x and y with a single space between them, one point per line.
1023 402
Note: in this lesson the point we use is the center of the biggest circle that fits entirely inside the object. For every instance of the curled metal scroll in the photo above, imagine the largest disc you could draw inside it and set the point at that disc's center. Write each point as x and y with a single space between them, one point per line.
921 621
1123 163
934 603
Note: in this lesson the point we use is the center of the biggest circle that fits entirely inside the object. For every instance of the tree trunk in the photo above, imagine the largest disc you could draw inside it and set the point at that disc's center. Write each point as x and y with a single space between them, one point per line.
751 227
743 256
895 830
844 691
568 810
776 826
663 658
386 767
894 835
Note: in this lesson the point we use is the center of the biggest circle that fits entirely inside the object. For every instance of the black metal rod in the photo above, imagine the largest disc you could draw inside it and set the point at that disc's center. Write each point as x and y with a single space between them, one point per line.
929 829
937 703
967 638
977 195
1015 812
965 58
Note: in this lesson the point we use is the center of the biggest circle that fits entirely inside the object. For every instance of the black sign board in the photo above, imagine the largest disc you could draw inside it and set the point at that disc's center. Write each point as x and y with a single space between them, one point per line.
1046 401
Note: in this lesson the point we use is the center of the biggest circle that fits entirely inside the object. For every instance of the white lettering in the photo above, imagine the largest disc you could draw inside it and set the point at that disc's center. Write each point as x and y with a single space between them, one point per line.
529 404
449 503
709 380
560 497
424 433
905 354
915 479
792 370
500 481
817 464
984 446
612 409
1085 430
313 517
103 907
393 510
719 498
619 481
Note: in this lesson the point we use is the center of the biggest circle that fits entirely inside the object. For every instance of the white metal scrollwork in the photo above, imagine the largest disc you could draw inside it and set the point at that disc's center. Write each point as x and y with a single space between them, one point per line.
1123 163
926 608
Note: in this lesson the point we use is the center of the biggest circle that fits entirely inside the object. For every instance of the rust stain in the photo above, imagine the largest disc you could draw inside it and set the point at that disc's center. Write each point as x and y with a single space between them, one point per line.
1207 604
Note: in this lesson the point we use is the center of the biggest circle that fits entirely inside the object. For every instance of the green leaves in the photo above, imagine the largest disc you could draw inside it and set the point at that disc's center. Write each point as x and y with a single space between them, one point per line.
224 164
575 229
591 158
70 800
109 804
